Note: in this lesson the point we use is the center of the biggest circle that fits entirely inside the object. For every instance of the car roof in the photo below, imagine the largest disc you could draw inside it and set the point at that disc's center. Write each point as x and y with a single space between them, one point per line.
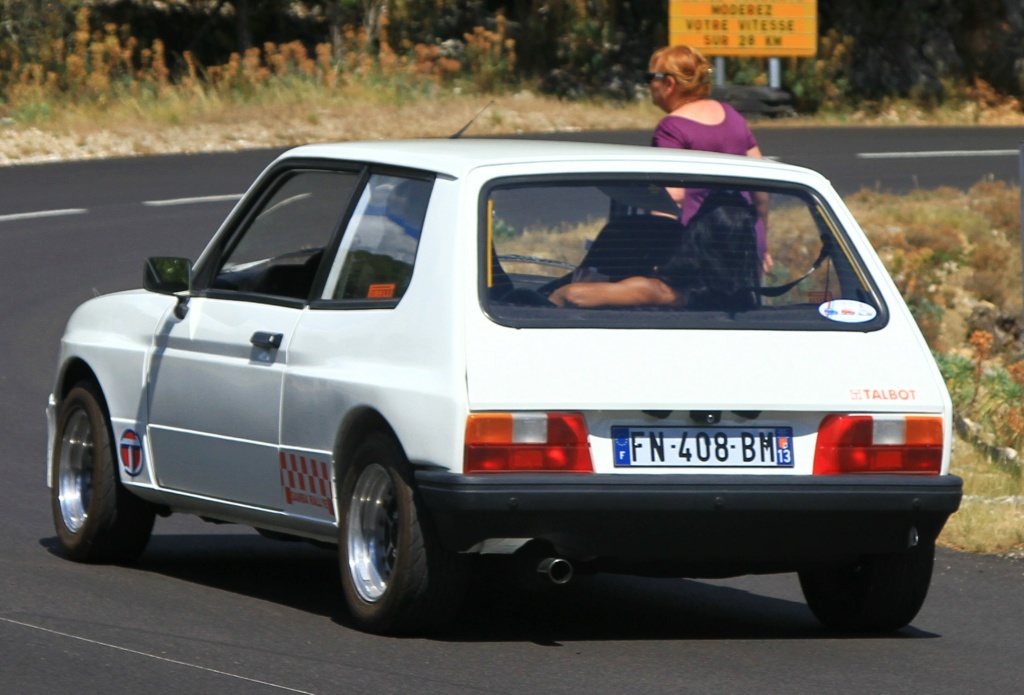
457 157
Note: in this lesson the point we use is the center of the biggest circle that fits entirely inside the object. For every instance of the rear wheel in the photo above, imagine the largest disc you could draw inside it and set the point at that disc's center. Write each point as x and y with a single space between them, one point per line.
96 518
881 592
396 576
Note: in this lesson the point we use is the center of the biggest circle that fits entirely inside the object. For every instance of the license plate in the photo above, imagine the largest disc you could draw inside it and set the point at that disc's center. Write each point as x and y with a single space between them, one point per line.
734 447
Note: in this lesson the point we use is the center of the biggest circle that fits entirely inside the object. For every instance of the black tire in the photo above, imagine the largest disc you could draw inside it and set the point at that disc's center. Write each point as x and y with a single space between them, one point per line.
396 576
96 518
880 593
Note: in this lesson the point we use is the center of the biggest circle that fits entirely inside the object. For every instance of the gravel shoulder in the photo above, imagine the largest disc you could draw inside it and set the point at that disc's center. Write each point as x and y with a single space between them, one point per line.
180 128
76 136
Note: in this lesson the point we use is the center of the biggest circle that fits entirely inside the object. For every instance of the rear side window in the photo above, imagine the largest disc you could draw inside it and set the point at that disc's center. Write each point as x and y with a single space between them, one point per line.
374 264
664 254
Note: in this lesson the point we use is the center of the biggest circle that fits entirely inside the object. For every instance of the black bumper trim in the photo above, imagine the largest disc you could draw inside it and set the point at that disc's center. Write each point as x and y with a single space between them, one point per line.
699 518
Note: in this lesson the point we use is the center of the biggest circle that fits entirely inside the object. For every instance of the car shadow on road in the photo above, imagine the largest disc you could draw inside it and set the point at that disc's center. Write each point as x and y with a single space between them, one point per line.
245 564
590 608
610 607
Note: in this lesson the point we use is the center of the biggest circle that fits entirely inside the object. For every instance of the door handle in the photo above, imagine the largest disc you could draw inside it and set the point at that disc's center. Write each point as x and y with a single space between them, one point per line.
265 339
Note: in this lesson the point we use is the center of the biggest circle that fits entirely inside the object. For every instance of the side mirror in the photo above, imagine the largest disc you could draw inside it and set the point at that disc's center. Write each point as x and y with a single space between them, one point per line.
168 275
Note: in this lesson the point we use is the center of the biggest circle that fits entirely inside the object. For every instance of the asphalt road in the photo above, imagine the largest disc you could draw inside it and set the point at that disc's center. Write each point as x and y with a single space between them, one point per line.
885 159
218 609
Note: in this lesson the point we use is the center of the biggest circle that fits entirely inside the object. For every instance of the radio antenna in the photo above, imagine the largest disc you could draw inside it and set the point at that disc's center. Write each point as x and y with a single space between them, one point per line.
464 128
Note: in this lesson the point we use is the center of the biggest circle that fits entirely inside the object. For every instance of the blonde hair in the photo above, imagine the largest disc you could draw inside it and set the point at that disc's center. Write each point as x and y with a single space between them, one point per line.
691 70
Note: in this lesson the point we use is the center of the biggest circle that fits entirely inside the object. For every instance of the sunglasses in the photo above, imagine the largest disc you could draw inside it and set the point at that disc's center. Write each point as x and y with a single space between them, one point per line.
651 76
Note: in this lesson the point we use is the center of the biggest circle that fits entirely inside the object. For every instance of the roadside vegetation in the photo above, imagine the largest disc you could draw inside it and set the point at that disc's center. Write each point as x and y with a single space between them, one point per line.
956 257
78 69
97 90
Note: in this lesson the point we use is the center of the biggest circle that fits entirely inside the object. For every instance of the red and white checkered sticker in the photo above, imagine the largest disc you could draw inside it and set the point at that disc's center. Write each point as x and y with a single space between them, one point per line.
307 481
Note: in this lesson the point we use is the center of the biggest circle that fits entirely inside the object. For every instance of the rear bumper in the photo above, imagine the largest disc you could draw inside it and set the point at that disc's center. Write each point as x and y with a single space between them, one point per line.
702 525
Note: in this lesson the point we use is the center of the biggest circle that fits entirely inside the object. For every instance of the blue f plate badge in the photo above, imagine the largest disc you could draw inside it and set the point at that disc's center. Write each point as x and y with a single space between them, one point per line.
726 447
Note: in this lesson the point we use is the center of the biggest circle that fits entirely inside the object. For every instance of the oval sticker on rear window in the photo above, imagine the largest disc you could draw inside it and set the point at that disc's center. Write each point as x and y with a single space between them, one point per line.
847 311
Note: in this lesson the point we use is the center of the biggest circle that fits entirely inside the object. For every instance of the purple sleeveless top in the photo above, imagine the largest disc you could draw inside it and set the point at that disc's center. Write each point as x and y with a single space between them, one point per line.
731 136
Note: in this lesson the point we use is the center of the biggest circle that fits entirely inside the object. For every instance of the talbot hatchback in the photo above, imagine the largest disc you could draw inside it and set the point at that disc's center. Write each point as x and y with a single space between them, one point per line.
583 357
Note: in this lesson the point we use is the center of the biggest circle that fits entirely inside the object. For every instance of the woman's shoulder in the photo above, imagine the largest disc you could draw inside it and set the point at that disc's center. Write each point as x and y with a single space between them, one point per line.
671 131
708 113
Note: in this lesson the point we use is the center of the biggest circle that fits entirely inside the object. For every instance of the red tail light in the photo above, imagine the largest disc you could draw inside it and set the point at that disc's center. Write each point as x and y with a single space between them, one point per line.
497 442
879 444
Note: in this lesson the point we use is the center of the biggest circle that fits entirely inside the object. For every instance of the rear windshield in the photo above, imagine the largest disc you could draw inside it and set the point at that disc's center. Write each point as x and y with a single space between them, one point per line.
662 253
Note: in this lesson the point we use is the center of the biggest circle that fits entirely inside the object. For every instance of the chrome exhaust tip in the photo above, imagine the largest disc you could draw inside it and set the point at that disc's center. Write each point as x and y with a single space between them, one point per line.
557 570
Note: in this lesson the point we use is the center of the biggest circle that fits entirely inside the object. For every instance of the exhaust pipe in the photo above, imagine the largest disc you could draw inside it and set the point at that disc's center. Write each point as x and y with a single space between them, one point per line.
558 570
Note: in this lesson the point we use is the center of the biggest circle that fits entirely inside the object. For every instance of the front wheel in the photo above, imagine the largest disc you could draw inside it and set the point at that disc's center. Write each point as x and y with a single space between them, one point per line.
396 576
879 593
96 518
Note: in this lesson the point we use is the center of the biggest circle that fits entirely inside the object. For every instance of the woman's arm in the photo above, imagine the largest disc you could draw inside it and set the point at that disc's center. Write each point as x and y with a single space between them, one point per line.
760 197
761 203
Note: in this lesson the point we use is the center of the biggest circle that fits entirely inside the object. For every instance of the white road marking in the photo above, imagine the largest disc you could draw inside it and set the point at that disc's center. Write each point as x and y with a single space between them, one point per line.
190 201
937 153
42 213
158 658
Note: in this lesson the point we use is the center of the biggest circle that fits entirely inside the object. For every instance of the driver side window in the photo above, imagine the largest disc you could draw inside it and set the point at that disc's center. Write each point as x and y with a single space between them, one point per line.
279 251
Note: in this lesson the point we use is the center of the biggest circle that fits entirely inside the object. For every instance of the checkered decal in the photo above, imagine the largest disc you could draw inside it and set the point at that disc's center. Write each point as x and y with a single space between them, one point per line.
307 481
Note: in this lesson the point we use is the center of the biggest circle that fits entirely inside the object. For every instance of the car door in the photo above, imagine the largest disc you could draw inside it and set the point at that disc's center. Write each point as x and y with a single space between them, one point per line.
348 350
216 375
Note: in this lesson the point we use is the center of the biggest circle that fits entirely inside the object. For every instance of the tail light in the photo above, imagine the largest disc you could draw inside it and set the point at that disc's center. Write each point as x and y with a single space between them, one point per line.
879 444
501 442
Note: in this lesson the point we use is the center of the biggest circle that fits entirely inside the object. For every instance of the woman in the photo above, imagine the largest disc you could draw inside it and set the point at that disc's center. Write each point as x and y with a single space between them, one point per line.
680 82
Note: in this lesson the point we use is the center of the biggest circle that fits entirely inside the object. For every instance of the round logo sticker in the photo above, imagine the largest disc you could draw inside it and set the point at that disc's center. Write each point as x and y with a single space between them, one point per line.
131 453
847 311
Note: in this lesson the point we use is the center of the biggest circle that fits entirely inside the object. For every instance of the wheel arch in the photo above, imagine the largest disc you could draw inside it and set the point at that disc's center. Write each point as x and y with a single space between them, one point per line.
359 424
75 371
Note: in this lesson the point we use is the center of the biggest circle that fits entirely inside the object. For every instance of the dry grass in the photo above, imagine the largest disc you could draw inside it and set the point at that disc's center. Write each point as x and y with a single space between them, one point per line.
951 253
101 94
98 91
964 110
991 517
178 125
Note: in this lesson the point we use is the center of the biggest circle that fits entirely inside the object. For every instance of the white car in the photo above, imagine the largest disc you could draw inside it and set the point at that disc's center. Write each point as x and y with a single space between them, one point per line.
583 357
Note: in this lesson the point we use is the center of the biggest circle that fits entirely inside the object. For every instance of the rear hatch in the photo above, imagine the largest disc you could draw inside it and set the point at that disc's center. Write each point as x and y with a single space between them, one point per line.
716 388
771 323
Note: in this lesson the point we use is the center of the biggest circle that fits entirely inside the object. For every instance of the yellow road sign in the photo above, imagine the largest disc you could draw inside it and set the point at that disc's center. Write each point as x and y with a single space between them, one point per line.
765 28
